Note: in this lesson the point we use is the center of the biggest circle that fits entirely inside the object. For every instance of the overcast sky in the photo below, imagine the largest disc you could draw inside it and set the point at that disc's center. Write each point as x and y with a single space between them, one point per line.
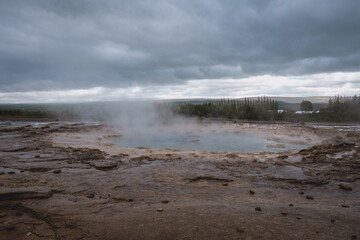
88 50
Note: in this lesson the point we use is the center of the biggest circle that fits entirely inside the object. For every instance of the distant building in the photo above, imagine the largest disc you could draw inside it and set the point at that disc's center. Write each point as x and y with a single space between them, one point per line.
304 112
280 111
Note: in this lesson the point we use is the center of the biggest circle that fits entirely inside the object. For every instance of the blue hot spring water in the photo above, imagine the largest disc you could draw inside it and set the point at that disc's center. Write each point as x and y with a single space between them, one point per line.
219 142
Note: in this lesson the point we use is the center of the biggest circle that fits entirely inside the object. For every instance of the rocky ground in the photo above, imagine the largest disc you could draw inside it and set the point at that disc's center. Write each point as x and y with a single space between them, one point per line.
67 181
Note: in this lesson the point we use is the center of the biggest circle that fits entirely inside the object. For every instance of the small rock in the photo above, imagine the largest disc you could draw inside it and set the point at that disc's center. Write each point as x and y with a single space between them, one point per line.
28 234
18 214
37 156
57 171
291 205
165 201
251 192
284 213
11 172
10 228
160 209
301 193
353 237
240 230
123 199
2 215
105 166
225 184
345 187
299 218
309 197
332 220
258 209
91 195
345 206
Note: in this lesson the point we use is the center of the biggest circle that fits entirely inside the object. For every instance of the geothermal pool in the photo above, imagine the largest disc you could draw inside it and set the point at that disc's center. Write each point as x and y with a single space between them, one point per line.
218 142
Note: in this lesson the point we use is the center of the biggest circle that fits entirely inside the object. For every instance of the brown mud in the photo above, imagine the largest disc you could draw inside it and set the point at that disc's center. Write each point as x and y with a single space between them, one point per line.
67 181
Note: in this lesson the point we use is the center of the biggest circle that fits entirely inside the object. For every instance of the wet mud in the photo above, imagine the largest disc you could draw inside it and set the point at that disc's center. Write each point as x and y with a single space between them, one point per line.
61 180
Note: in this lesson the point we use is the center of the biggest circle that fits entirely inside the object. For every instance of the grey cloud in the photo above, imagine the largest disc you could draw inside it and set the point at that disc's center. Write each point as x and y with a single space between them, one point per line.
53 44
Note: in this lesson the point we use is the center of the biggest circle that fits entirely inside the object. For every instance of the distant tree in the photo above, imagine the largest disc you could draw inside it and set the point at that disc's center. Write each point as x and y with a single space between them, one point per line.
262 108
306 106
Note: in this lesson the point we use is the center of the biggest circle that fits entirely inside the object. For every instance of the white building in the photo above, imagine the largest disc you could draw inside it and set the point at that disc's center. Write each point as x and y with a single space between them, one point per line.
304 112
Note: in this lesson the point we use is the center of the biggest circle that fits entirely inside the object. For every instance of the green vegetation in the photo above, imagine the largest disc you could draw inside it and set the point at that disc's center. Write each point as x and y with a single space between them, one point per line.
306 106
35 111
339 109
263 109
342 109
23 113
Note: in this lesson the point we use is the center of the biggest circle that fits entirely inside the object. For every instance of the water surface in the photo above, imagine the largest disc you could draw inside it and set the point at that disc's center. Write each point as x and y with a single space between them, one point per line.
207 141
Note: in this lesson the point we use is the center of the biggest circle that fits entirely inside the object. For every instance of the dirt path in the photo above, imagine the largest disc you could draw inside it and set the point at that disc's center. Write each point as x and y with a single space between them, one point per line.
66 181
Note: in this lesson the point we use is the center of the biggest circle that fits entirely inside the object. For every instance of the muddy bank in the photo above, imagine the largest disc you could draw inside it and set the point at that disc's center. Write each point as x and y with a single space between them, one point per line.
68 181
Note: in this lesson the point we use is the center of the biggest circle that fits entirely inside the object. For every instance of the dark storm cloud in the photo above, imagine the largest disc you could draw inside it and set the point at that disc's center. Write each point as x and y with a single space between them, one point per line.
67 44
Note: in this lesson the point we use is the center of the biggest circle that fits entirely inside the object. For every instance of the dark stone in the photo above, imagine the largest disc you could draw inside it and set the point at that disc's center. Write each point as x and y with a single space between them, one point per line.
258 209
123 199
309 197
91 195
240 230
208 178
10 228
57 171
7 194
251 192
105 166
345 187
165 201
